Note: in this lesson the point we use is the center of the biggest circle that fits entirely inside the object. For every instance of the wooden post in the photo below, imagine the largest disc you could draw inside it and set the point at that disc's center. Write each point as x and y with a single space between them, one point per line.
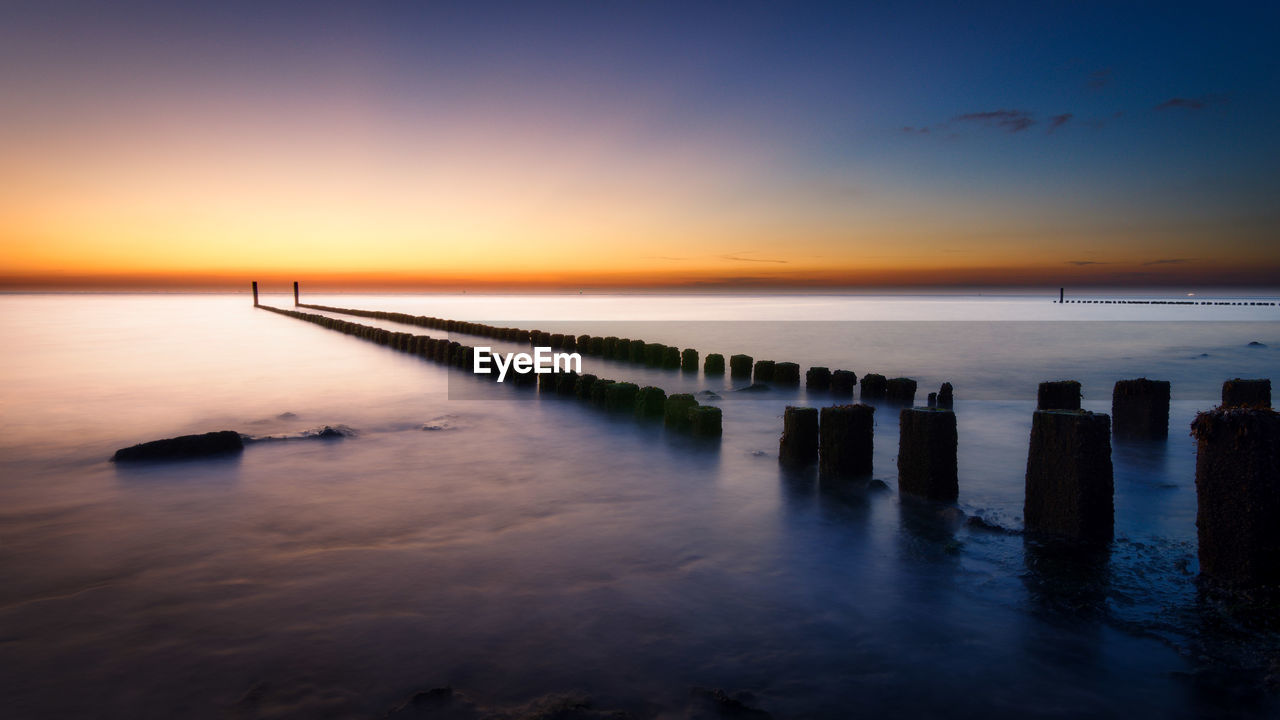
799 443
845 439
295 293
927 454
1062 293
255 293
1069 488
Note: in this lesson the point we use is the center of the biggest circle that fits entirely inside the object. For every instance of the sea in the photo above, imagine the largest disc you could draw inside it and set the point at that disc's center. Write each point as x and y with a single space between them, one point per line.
471 549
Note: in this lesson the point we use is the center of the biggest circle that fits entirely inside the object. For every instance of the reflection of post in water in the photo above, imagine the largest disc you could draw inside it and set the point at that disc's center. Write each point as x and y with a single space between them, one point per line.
1067 578
1235 644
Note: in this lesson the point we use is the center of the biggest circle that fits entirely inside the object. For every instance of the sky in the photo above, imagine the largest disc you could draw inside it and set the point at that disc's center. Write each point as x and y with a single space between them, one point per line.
639 144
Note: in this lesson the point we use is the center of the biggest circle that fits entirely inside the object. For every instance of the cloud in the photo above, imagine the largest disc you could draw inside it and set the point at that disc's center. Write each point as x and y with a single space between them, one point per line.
1196 103
1058 121
662 257
739 258
1011 121
1082 263
913 130
1169 261
1100 78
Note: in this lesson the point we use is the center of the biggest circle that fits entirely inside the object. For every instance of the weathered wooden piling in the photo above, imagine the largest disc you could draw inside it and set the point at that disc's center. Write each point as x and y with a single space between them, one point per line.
932 400
1058 395
597 345
927 454
621 396
689 360
900 391
671 358
676 411
799 442
713 365
843 382
600 391
547 382
874 386
705 421
609 345
1140 409
846 440
651 402
1246 393
763 371
622 349
255 293
295 294
582 388
740 366
636 352
566 383
945 400
584 345
1238 495
786 373
817 379
1069 485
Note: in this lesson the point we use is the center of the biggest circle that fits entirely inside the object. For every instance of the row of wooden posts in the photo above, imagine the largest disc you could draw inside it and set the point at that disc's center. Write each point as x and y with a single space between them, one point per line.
1069 485
679 412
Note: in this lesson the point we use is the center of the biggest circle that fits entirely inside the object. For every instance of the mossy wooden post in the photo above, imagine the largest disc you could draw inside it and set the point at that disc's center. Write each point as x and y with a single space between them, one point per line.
874 386
900 391
622 350
689 360
1246 393
651 402
1238 495
846 440
584 345
255 293
671 358
945 400
1058 395
1140 409
566 383
843 382
582 388
636 352
927 454
547 382
786 373
597 345
799 442
817 379
713 365
763 371
621 397
295 293
676 411
932 401
609 346
740 366
705 421
600 391
1069 485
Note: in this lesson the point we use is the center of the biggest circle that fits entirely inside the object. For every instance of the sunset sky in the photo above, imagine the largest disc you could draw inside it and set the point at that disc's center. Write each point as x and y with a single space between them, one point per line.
602 144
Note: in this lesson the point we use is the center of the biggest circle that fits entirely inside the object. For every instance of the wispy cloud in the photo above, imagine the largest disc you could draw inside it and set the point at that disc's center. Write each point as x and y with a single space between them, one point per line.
1100 78
741 258
1058 121
1011 121
913 130
1191 103
1082 263
1169 261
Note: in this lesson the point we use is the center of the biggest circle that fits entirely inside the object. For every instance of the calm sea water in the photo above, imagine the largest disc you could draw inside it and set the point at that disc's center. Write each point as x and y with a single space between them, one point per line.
521 548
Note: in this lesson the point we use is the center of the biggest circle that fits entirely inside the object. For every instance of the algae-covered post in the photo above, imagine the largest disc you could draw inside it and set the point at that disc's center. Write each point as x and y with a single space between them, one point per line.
945 401
1238 495
1058 395
900 391
927 454
705 421
689 360
817 379
1069 484
874 386
651 402
1140 409
846 441
843 382
763 371
799 442
1246 393
713 365
740 366
676 411
786 373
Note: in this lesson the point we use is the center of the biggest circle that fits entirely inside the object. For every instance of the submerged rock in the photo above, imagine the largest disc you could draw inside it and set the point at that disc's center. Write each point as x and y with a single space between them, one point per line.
1255 343
185 446
754 387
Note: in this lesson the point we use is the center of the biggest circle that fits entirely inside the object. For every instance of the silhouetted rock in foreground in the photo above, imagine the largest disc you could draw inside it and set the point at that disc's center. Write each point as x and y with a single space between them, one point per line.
186 446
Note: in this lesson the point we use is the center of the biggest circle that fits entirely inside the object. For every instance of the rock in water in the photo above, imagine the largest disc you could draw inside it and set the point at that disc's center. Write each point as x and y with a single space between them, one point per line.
186 446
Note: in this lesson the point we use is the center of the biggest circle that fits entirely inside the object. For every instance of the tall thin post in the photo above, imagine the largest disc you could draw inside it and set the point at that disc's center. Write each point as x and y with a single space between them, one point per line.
255 293
295 292
1062 293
